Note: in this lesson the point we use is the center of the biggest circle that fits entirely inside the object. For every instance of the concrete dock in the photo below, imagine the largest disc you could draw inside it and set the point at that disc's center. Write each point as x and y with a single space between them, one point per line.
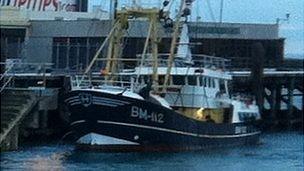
15 106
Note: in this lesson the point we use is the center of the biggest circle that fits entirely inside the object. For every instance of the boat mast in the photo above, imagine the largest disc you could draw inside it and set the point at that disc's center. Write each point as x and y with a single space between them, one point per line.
151 42
221 11
154 44
184 11
144 53
113 8
115 49
115 40
153 39
88 69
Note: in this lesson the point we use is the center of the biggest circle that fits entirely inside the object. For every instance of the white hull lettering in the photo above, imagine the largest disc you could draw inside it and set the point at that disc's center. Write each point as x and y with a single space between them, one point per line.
240 129
137 112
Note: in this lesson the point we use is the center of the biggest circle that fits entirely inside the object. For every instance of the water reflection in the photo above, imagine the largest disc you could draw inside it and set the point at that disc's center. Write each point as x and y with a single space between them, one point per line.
279 151
53 162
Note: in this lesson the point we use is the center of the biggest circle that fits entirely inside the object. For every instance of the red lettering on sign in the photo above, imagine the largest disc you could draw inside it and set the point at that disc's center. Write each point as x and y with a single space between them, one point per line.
43 5
21 2
55 3
46 3
28 4
70 7
40 4
34 5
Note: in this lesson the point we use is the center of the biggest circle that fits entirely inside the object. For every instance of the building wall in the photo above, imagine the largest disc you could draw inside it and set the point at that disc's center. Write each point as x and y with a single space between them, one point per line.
71 44
82 5
97 28
12 42
234 31
38 49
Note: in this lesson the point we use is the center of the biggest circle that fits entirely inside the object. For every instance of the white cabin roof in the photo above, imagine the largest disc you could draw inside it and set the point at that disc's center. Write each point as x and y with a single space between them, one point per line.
216 73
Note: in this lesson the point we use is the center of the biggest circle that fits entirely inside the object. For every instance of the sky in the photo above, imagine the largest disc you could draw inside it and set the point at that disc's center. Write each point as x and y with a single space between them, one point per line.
247 11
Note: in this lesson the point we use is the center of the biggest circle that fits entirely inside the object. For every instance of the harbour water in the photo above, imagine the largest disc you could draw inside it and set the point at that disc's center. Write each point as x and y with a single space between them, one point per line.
277 151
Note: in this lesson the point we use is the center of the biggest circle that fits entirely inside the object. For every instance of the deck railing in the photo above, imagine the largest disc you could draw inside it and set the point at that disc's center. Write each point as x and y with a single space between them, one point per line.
79 81
197 60
13 68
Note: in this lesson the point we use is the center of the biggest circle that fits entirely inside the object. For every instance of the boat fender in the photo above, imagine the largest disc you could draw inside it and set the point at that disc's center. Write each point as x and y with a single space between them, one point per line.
103 72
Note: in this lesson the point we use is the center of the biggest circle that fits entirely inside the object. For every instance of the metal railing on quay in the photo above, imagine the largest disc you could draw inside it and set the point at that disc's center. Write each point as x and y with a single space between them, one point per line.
14 67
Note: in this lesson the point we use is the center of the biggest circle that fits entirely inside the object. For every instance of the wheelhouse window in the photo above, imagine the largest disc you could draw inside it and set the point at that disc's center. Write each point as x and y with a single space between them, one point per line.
161 79
192 80
178 80
216 83
209 82
212 82
247 116
144 79
202 81
222 86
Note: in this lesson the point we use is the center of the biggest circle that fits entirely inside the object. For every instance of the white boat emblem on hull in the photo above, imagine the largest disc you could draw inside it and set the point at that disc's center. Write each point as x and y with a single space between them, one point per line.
98 139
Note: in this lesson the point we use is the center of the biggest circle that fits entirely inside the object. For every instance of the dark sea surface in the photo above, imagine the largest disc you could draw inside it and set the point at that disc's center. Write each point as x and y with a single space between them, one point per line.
277 151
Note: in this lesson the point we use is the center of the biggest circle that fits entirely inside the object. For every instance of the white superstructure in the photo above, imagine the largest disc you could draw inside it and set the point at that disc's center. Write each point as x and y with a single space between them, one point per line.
195 88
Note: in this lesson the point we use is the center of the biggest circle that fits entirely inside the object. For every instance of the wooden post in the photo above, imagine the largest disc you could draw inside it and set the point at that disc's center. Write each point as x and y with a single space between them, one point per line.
14 137
57 55
86 63
43 117
290 100
6 48
77 57
258 53
302 118
19 47
278 100
67 66
273 102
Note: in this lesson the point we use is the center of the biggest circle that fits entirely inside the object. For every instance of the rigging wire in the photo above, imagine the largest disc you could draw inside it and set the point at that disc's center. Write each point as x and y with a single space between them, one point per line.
210 11
170 5
198 17
221 11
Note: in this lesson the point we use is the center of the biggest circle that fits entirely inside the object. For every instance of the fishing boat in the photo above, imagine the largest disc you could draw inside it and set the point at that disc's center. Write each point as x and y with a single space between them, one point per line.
169 102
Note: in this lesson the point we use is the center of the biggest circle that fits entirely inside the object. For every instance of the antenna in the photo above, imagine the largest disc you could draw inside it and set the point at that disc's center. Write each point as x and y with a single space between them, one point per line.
113 8
221 11
134 3
287 16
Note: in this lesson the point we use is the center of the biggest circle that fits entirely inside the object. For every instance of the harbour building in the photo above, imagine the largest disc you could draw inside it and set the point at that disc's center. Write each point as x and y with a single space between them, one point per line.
69 40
